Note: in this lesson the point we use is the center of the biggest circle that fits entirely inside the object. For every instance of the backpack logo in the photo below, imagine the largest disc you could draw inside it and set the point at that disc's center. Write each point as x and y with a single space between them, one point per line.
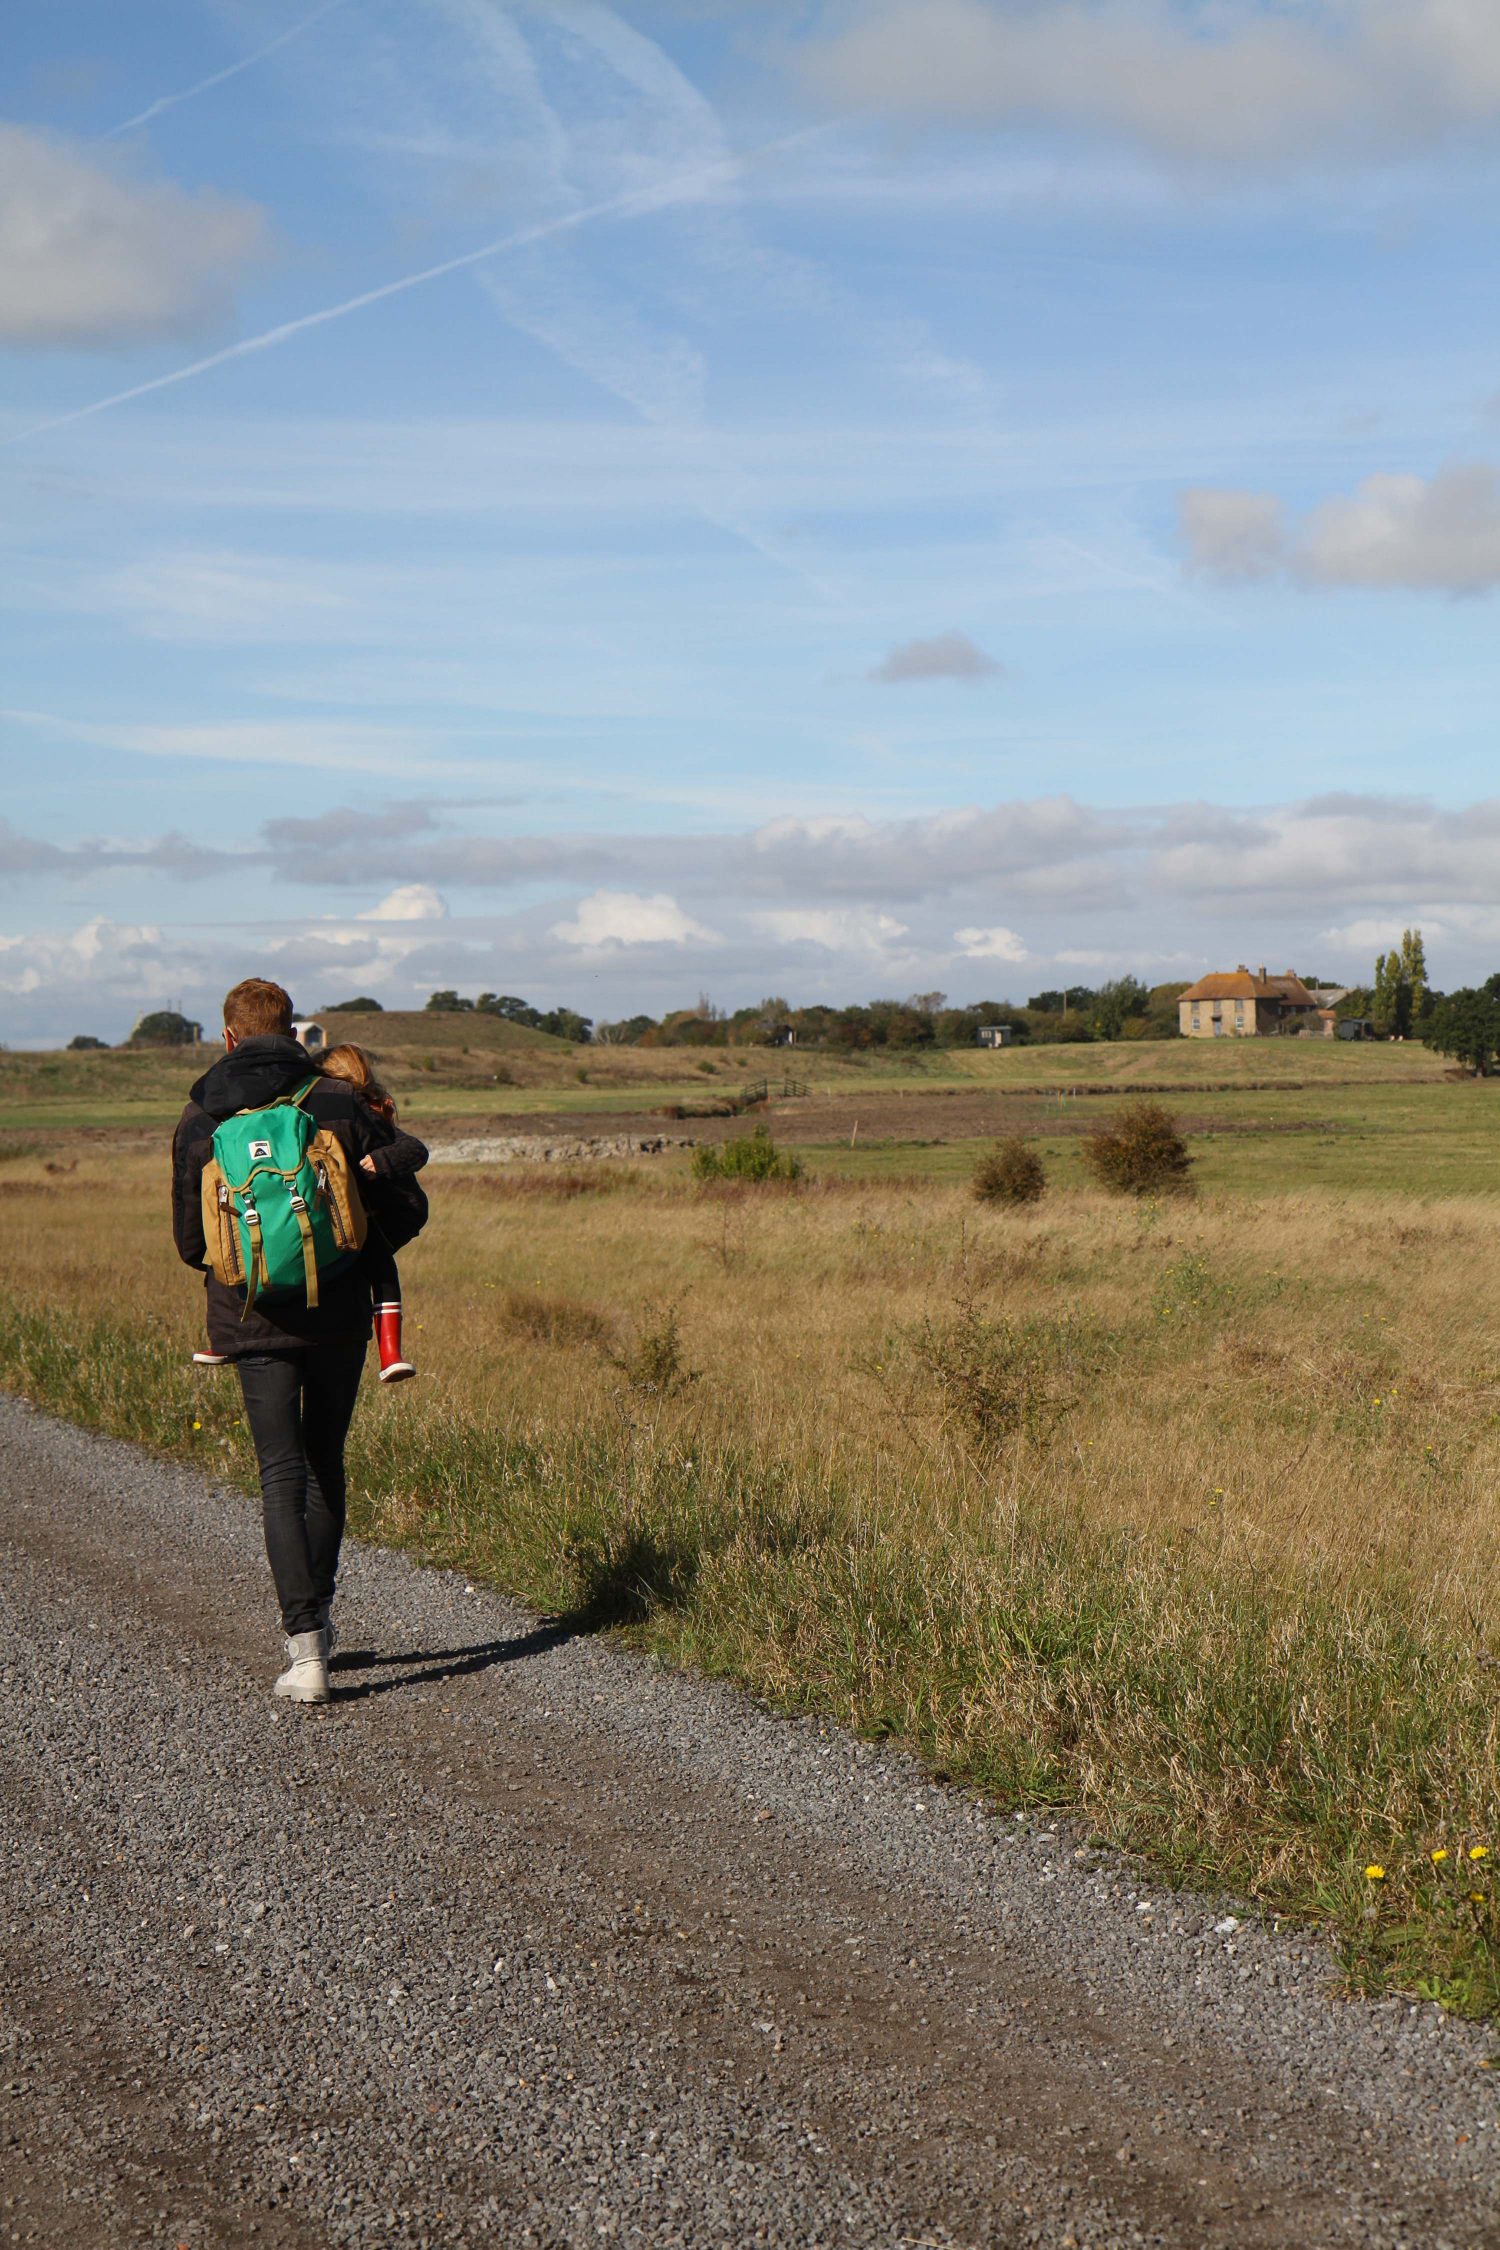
259 1149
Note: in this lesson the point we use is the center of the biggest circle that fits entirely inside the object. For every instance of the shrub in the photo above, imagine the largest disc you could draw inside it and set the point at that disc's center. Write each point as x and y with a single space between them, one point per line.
652 1361
994 1379
1010 1173
754 1156
1140 1153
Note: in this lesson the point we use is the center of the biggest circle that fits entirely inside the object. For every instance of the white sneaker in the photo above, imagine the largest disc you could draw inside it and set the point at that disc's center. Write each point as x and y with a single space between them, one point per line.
305 1679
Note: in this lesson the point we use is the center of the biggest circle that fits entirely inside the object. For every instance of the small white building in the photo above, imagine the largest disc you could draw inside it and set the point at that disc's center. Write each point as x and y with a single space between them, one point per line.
996 1035
312 1036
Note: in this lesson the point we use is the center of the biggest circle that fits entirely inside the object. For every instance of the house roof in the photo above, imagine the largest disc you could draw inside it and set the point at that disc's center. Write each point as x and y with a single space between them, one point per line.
1244 984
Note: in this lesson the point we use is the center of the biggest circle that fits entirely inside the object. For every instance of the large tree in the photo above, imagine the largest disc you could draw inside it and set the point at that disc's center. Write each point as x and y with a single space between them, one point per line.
1466 1025
1401 996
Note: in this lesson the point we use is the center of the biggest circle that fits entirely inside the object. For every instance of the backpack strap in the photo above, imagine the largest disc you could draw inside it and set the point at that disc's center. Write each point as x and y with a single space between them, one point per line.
309 1247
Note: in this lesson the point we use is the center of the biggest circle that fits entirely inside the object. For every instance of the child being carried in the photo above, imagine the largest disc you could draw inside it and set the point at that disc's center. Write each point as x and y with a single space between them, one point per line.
404 1155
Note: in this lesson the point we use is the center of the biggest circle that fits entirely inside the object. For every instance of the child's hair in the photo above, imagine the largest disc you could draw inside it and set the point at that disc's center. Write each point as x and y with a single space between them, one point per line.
354 1066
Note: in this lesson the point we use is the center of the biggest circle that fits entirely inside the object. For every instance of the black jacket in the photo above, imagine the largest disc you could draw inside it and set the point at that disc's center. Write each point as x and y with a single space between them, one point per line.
256 1072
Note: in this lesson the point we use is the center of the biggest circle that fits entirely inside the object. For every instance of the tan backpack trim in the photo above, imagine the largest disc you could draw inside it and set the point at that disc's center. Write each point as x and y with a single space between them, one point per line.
339 1182
221 1235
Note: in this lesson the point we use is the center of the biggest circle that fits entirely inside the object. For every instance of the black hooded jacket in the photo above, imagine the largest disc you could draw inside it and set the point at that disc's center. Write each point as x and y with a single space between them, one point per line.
258 1071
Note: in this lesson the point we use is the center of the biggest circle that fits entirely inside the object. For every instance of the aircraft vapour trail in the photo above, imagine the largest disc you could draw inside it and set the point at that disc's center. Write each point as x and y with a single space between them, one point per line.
638 202
218 77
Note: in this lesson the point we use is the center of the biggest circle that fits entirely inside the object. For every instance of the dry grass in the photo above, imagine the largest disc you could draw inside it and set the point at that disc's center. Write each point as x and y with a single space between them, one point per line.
1182 1514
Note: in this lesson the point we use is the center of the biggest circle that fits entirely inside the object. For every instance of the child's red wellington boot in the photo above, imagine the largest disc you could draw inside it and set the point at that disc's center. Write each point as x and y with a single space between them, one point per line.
393 1368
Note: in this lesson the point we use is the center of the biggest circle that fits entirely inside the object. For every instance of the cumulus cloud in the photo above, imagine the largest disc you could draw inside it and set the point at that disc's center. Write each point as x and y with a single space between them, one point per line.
1234 82
90 256
409 902
839 929
995 944
1433 534
609 919
948 656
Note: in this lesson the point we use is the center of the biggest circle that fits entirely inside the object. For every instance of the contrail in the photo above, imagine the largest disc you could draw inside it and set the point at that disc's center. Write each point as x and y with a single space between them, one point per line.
639 200
218 77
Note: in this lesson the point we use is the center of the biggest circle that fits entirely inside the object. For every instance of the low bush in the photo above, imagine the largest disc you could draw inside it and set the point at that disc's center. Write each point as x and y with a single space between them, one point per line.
753 1156
652 1362
1140 1152
1010 1173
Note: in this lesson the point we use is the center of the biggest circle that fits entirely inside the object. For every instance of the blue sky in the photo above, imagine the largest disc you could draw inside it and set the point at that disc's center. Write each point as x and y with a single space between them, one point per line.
876 497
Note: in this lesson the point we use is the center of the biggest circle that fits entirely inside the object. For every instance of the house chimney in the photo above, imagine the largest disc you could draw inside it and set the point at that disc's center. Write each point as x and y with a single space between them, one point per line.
1262 972
1241 970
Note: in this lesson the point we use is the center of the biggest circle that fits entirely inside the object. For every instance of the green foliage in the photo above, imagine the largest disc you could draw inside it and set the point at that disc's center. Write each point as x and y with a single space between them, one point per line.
1140 1152
1011 1172
1400 998
1466 1025
449 1003
166 1028
85 1044
362 1006
752 1156
1114 1004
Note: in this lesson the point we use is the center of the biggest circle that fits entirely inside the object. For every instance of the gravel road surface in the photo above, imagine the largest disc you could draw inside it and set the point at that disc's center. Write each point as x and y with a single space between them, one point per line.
525 1941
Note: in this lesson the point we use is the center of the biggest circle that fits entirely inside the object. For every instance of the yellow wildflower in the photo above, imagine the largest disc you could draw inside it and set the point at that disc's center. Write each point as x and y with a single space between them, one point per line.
1374 1874
197 1425
1479 1851
1439 1856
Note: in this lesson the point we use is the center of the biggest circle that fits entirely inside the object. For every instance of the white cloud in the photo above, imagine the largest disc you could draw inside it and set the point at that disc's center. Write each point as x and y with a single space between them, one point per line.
1236 81
841 929
409 902
1432 534
92 257
947 656
994 944
105 959
609 919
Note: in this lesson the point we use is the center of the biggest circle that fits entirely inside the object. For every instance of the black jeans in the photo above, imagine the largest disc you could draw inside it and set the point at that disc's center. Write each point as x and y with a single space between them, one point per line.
299 1406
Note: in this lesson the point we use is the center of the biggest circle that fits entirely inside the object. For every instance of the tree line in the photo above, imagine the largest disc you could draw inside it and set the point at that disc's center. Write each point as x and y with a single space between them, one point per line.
1398 1003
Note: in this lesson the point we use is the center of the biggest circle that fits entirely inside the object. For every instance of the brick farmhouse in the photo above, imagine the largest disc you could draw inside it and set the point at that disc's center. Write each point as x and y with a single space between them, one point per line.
1246 1004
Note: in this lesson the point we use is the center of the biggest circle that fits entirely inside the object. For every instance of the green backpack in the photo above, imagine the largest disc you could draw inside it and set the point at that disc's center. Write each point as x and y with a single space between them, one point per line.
280 1202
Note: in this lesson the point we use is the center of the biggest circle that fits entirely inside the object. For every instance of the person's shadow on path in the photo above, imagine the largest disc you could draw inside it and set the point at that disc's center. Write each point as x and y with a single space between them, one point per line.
441 1664
644 1574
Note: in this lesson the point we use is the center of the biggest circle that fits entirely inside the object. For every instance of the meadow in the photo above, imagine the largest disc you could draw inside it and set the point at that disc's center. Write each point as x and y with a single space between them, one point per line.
1177 1514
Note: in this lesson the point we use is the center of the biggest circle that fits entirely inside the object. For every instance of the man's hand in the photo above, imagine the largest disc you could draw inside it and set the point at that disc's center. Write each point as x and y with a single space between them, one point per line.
367 1164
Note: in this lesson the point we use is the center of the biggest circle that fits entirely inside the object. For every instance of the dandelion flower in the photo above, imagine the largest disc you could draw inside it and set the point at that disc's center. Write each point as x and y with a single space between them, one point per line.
1439 1856
1374 1874
197 1425
1476 1898
1479 1851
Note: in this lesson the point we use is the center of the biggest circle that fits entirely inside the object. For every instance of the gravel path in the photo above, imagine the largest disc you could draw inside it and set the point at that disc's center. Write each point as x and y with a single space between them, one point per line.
526 1941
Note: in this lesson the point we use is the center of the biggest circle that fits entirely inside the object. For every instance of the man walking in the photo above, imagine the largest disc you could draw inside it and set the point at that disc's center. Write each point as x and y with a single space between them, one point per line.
299 1365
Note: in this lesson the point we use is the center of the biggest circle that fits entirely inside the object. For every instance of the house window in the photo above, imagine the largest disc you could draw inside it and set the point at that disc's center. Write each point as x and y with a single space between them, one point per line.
1197 1016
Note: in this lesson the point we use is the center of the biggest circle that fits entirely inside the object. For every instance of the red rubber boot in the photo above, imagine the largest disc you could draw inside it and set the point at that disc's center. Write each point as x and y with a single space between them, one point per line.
393 1368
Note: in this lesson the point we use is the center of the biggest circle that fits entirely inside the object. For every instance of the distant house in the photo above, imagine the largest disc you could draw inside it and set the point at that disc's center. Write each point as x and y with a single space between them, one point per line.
1246 1004
782 1035
996 1035
312 1036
